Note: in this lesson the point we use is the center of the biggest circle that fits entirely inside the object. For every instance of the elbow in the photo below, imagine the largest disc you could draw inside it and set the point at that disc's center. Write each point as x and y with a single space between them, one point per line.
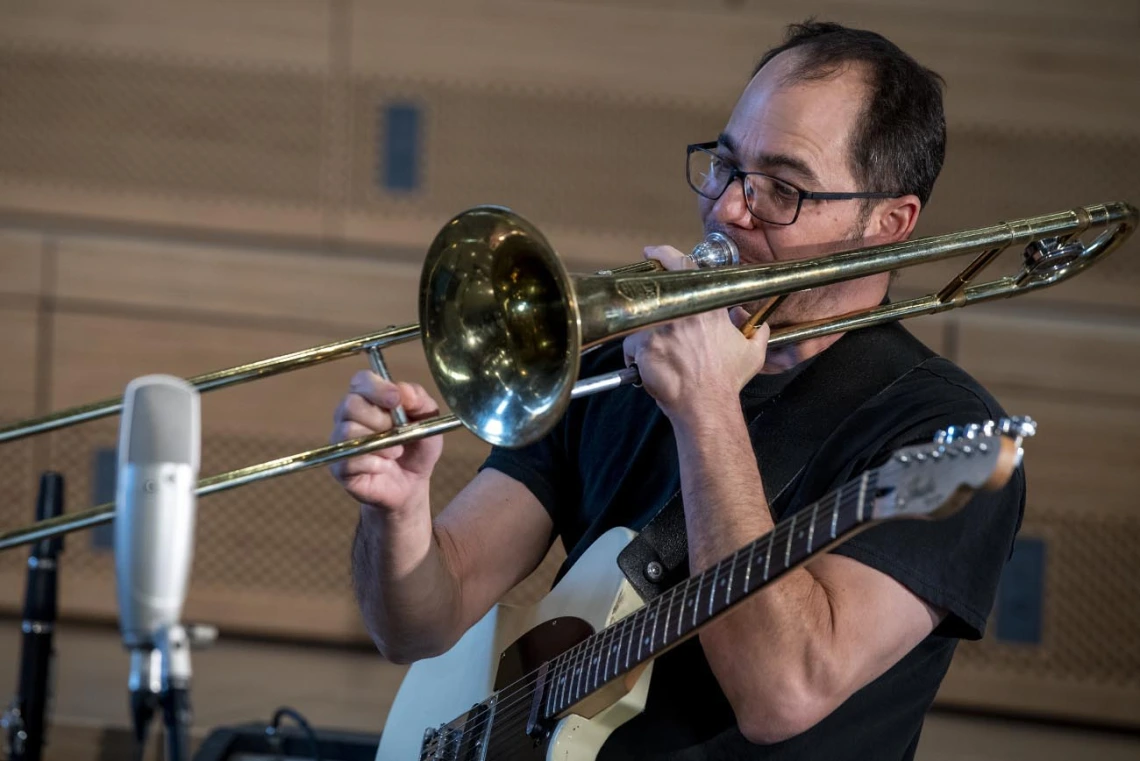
405 655
776 719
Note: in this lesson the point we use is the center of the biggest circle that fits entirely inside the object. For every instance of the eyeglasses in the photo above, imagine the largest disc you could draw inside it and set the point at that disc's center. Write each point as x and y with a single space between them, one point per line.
768 198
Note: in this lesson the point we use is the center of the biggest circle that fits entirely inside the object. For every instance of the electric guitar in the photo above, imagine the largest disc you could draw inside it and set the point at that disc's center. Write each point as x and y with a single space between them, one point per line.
554 680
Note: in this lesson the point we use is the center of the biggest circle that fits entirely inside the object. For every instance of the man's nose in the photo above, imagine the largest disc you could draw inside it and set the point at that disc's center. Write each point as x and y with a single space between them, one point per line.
731 208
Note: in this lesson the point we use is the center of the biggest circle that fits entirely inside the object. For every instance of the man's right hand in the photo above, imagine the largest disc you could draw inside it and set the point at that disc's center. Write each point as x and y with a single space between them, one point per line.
396 478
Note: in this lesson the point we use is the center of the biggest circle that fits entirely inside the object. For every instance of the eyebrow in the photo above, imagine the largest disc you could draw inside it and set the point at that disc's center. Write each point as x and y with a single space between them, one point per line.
768 161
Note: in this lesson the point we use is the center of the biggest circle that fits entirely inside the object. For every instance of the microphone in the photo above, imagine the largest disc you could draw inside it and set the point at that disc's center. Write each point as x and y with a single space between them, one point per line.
155 512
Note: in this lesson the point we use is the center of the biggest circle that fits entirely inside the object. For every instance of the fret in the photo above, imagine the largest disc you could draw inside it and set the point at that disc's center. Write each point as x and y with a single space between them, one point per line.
811 528
684 599
748 568
862 495
560 691
579 672
612 652
712 589
768 554
835 512
788 546
641 637
628 648
568 694
731 574
653 633
598 648
668 612
552 693
697 601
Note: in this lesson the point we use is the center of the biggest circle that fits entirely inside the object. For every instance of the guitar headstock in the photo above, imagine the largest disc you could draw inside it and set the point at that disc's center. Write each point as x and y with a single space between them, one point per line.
938 478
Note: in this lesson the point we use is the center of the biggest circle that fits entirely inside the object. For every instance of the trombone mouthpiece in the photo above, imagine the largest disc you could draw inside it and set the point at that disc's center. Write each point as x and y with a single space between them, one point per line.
716 250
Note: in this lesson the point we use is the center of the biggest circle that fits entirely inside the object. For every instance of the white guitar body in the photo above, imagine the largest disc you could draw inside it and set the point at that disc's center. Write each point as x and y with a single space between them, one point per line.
437 690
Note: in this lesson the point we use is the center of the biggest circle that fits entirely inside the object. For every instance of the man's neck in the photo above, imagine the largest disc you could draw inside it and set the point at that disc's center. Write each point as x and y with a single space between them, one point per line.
786 357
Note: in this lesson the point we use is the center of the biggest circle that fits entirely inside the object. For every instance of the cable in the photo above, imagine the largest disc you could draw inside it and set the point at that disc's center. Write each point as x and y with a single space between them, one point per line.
272 729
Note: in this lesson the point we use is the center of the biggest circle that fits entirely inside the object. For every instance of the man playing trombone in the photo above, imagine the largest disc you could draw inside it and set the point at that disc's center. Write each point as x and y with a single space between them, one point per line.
835 144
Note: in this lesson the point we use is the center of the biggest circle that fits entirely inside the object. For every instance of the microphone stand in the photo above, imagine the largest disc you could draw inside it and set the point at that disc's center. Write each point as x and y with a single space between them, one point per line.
26 720
145 686
174 697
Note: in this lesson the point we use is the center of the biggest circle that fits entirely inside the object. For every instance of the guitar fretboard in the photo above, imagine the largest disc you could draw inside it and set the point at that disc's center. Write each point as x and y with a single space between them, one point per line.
677 613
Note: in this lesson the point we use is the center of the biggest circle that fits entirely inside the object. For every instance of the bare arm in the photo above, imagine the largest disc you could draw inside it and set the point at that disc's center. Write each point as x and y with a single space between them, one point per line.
421 583
793 652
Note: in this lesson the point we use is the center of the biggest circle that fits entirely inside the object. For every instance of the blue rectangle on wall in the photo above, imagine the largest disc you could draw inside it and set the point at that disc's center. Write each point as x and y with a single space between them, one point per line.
399 154
1021 593
105 466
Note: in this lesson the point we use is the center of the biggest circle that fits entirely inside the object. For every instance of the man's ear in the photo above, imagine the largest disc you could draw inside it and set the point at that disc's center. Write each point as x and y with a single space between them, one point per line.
894 219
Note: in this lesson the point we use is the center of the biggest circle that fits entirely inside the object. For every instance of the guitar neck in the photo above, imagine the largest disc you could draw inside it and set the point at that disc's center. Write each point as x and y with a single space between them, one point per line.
679 613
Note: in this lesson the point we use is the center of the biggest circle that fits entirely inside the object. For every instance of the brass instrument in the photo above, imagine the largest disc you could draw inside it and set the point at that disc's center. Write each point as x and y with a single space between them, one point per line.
504 324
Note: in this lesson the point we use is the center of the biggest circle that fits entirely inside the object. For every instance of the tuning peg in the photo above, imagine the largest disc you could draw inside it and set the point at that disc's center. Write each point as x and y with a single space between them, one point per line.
1022 427
949 434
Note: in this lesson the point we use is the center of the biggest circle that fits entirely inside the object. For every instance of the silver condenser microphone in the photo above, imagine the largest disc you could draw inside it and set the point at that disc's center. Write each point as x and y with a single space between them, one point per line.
155 509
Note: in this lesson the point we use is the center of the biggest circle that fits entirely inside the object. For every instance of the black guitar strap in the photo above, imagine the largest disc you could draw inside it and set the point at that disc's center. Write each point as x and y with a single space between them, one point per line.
788 429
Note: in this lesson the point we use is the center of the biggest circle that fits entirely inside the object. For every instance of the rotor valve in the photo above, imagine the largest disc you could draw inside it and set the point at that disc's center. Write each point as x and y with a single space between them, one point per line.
1049 255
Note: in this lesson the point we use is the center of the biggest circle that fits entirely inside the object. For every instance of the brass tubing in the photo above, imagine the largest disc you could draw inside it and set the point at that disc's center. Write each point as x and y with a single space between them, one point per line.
219 379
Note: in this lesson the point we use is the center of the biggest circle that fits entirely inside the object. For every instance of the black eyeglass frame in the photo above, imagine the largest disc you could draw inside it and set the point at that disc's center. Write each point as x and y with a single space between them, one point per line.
737 172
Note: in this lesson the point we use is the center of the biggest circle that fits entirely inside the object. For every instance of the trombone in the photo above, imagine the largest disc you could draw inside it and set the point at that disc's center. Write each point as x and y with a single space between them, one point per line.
504 325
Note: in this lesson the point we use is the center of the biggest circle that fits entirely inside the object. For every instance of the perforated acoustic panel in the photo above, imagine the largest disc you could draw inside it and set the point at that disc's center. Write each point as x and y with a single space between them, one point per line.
1081 658
175 127
282 544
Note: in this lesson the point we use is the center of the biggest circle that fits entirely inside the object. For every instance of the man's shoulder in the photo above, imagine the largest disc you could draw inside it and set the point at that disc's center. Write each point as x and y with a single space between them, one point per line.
939 379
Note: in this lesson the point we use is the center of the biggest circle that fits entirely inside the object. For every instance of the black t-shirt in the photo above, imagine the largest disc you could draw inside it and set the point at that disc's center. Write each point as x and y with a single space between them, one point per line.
612 461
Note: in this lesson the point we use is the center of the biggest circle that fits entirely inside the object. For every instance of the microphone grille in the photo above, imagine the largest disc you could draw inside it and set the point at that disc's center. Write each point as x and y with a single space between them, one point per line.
162 419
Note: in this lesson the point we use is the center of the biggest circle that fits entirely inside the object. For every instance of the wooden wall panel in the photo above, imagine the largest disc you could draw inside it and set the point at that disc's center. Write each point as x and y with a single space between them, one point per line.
1081 360
20 263
262 32
18 482
1082 478
1007 67
333 292
18 333
95 356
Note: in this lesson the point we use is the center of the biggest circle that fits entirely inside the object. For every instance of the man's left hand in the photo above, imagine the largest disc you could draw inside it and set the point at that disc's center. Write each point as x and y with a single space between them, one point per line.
696 365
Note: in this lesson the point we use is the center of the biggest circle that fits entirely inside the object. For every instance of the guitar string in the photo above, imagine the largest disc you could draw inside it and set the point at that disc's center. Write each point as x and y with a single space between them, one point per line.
519 694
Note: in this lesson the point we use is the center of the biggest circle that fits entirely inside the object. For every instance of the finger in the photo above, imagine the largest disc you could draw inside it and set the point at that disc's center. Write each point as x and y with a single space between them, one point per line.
356 409
375 389
362 466
631 346
670 258
417 401
348 431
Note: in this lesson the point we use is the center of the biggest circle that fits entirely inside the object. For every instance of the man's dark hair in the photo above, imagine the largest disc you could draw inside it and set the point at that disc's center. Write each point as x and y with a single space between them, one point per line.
899 142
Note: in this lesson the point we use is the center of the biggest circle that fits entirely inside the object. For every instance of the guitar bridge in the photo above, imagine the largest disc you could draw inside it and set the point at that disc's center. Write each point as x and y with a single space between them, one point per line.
449 743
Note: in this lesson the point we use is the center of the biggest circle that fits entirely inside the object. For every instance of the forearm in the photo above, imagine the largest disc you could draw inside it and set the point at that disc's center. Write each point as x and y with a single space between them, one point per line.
769 654
407 594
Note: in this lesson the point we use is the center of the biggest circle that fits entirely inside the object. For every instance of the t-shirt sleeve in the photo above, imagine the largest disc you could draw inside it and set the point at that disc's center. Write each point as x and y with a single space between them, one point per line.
544 469
953 563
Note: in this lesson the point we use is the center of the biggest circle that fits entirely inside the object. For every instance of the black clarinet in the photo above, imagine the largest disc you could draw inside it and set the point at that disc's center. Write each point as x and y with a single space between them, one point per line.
27 718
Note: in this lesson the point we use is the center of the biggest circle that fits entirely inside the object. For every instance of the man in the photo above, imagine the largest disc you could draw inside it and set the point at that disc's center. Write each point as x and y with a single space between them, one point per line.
835 144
